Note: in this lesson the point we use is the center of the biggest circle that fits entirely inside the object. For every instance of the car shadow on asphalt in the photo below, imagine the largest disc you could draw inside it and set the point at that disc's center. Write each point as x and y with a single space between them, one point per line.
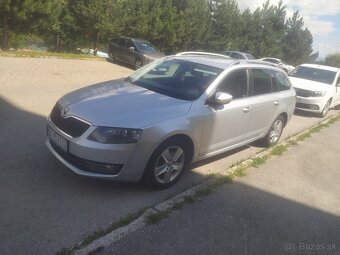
121 64
48 202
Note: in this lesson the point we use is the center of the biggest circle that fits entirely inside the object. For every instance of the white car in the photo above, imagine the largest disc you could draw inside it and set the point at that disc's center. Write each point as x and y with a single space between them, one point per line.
317 87
287 68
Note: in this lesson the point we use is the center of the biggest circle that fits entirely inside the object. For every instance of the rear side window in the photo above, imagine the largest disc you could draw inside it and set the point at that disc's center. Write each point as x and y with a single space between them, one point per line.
280 82
236 55
121 42
129 44
261 82
235 84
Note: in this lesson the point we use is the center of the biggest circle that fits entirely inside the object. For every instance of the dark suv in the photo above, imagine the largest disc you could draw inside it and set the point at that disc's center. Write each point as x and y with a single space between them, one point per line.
135 52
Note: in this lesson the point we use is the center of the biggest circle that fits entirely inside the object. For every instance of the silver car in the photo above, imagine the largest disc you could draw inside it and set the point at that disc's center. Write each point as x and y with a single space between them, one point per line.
176 110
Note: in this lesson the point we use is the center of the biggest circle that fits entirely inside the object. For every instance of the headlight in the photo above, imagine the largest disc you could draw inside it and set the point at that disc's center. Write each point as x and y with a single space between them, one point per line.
148 58
111 135
319 93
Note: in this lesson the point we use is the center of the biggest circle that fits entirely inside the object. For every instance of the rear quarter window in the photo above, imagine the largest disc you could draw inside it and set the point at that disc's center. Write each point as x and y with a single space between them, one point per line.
280 82
261 82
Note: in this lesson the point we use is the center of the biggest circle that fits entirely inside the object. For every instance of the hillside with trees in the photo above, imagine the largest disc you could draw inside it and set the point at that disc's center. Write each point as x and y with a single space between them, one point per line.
172 25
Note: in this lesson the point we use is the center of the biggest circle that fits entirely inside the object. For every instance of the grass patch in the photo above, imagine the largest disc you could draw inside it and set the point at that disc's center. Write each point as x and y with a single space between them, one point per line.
278 150
259 161
239 172
189 200
99 233
47 54
292 142
157 217
303 136
204 191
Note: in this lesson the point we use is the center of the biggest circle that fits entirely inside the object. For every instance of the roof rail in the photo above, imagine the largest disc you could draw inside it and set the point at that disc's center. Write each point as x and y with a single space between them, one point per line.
201 53
255 62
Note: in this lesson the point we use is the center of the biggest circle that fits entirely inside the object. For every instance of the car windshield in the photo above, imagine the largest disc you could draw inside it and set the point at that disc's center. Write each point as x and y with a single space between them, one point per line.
176 78
145 46
313 74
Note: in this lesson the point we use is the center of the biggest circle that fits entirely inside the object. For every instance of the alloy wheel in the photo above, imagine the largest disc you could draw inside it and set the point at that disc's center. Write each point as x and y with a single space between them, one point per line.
169 164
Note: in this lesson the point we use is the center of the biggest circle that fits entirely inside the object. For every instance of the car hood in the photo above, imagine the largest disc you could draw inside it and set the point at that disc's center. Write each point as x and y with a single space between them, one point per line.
308 84
119 103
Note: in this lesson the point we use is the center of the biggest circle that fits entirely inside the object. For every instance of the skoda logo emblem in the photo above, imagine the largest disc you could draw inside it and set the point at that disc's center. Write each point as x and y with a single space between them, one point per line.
63 113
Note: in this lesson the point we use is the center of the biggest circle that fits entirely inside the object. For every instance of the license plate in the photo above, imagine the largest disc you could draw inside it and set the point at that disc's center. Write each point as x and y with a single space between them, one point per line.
57 139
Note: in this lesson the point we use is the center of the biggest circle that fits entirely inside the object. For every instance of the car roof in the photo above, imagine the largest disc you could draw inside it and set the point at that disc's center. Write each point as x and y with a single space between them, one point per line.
323 67
271 58
222 62
133 39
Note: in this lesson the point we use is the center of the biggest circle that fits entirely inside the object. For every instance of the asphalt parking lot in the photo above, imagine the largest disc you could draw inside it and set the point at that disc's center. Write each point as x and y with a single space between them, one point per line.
43 205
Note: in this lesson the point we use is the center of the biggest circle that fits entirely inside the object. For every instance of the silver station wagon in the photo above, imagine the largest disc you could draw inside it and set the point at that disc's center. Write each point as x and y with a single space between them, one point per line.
176 110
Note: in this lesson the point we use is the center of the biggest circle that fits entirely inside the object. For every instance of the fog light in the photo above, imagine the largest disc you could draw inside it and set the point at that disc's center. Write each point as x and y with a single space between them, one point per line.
314 107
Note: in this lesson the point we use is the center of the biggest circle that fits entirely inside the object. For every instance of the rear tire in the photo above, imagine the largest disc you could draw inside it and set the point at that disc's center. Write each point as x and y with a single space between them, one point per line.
138 64
167 163
274 133
111 57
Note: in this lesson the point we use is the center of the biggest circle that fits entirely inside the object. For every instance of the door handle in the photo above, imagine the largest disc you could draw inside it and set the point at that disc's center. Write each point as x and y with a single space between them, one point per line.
246 109
276 102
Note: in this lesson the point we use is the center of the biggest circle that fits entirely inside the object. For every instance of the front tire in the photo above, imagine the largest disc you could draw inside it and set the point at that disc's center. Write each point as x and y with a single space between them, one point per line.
274 133
167 163
325 109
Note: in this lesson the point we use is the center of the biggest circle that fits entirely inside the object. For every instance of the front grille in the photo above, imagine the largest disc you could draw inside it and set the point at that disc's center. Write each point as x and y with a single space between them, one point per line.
88 165
303 93
70 125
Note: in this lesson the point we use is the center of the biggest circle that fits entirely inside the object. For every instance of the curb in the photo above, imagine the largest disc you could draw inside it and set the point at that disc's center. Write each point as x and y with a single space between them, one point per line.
170 203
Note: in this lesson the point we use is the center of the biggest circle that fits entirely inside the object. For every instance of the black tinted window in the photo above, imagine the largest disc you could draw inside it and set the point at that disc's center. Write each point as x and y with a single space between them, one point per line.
235 84
235 55
129 44
261 82
121 42
280 82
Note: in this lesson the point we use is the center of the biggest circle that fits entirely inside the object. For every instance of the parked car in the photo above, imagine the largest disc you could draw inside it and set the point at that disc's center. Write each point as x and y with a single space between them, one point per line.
134 52
238 55
317 88
176 110
287 68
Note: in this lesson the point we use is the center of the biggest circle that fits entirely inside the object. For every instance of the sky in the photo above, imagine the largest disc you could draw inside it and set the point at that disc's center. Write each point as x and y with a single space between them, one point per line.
321 17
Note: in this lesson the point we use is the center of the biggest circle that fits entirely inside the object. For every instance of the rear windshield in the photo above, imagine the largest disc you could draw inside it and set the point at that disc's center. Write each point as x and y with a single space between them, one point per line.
249 56
176 78
313 74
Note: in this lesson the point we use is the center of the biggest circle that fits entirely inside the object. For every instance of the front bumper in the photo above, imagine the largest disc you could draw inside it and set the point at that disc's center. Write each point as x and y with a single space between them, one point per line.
310 104
123 162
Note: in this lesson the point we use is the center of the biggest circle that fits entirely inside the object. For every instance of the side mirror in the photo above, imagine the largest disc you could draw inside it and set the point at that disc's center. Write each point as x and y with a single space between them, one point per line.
131 49
221 98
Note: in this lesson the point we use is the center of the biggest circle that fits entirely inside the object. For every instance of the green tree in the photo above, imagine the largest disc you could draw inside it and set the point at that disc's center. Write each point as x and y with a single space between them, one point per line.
27 16
96 19
333 60
226 25
298 41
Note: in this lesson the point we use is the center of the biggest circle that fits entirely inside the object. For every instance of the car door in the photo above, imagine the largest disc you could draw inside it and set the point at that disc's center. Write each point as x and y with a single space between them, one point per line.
120 49
263 103
225 125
